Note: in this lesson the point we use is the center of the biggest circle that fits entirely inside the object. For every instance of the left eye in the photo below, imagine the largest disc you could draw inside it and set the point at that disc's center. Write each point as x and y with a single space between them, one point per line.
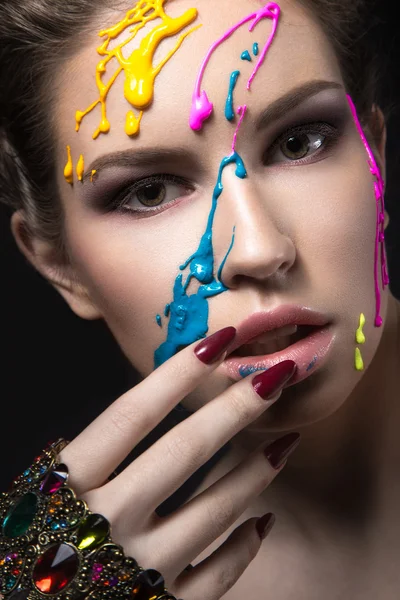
300 145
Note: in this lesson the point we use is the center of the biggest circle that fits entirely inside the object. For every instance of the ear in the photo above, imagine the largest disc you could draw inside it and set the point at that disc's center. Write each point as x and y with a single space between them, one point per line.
378 130
379 134
63 277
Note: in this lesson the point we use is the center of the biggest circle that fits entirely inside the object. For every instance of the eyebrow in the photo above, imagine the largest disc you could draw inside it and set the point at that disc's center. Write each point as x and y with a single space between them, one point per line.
278 108
150 157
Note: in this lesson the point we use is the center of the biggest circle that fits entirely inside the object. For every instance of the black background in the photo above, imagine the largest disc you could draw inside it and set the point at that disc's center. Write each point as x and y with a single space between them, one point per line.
59 372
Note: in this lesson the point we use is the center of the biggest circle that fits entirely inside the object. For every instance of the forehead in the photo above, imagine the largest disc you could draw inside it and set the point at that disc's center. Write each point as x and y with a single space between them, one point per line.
299 53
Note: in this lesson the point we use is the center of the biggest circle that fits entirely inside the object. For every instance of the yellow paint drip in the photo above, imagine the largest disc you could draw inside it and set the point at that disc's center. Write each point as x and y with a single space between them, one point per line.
358 360
69 168
93 173
140 73
80 167
360 337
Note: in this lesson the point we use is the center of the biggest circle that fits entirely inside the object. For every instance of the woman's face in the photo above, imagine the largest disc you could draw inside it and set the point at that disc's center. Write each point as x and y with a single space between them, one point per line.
304 217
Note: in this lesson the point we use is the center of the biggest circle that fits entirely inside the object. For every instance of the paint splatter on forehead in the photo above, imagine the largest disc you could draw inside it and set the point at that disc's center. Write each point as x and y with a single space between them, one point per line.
138 68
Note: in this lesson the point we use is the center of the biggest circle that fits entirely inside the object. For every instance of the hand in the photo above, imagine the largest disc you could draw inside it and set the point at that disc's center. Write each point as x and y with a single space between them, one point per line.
129 500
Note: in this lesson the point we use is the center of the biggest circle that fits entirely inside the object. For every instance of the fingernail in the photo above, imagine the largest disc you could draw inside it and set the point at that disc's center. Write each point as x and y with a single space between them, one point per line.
264 525
269 382
280 449
213 347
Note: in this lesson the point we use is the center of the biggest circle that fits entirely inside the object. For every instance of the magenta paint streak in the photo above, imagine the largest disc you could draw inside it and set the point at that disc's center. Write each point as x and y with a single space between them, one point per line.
240 111
202 108
380 215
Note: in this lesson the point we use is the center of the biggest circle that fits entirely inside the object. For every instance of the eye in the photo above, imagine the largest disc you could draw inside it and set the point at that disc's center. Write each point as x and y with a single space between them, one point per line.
150 194
302 143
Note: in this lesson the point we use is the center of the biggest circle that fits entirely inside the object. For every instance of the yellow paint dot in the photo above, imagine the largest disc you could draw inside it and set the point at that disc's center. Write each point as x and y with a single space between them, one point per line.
80 167
69 168
93 173
358 360
360 337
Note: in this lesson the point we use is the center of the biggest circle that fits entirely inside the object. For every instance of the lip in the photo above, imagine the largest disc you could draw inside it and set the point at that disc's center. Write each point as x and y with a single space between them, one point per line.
309 354
262 322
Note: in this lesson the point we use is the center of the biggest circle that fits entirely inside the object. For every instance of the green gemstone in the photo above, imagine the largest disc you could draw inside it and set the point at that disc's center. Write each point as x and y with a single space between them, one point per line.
92 532
20 516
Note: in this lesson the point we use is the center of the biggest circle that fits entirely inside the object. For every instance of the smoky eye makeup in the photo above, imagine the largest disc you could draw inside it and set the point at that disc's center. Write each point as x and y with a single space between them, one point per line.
304 136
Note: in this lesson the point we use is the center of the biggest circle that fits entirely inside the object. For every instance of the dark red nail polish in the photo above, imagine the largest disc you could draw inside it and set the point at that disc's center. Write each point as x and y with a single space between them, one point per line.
269 382
212 348
264 525
280 449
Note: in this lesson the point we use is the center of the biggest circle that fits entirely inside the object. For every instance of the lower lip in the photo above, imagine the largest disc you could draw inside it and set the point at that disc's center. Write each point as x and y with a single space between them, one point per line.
309 354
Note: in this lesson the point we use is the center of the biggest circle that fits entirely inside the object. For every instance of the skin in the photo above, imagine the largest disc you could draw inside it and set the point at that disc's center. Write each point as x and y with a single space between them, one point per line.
303 232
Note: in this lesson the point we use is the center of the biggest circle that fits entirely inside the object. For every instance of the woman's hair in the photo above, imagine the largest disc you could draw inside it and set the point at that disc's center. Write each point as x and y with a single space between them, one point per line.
36 36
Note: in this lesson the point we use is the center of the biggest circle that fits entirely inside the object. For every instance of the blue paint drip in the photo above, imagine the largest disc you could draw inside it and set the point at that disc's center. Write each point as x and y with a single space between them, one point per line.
249 369
246 55
166 310
255 49
312 364
189 314
159 321
229 111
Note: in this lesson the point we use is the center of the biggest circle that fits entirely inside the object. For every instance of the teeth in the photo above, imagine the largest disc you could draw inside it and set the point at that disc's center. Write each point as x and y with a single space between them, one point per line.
275 333
273 341
268 347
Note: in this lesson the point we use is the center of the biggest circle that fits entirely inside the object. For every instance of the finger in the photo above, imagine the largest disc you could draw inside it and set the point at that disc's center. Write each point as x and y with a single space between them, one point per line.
98 450
219 572
209 514
166 465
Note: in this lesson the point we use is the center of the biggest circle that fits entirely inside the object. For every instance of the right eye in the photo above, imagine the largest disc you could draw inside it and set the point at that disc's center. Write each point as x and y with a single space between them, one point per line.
148 194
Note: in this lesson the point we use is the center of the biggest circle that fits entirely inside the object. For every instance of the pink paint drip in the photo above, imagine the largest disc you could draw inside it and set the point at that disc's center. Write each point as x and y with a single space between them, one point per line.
241 111
202 108
380 215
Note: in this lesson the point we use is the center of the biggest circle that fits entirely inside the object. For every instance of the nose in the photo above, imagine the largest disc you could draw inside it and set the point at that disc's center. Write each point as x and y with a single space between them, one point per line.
260 251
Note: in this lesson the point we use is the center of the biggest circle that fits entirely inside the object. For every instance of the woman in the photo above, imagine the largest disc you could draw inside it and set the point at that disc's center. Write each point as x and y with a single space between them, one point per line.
196 172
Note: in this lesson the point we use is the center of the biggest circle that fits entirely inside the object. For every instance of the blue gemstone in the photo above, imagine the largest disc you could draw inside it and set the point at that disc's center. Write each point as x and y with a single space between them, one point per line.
55 526
10 582
26 473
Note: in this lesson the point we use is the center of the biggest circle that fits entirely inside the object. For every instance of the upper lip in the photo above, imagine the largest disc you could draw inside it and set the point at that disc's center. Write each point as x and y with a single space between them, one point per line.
261 322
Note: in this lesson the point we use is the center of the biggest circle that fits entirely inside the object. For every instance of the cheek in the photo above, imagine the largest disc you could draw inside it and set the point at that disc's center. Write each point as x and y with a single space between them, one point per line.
333 220
129 267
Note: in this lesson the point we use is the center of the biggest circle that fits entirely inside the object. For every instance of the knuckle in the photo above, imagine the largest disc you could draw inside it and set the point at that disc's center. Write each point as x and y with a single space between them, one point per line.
126 418
243 409
184 451
221 514
181 371
226 577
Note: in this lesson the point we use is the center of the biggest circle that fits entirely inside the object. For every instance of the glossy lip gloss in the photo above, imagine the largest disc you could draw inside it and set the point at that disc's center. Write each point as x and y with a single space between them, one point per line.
309 354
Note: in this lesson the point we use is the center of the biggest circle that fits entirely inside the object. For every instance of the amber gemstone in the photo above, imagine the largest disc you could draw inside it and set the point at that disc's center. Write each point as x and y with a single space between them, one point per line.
55 569
148 584
54 480
92 532
20 516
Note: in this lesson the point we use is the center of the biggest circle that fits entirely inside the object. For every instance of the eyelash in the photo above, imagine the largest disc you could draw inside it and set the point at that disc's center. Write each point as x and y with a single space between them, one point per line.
330 132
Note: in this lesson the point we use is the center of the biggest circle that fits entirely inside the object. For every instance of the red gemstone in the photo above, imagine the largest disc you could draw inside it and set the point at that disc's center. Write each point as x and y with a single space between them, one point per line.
55 569
54 480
